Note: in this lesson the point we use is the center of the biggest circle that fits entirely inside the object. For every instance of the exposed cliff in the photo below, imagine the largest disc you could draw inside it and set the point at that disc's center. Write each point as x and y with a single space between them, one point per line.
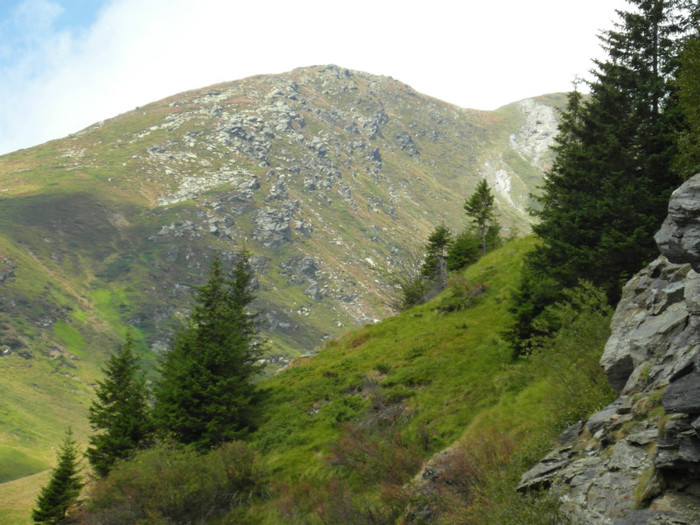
637 461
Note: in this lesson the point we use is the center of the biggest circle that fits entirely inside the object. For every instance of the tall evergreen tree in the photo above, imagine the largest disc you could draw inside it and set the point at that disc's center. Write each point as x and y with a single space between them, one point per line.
120 416
688 160
608 188
480 209
205 395
63 488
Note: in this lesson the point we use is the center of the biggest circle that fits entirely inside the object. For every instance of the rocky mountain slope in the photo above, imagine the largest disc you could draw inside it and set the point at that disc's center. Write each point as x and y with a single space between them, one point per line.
329 177
637 461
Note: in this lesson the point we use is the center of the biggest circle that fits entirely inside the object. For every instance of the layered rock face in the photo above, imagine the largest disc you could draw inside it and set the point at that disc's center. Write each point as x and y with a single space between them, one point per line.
637 461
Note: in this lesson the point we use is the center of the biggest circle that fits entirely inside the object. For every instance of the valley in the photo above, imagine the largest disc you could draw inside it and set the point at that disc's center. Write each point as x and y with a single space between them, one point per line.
330 177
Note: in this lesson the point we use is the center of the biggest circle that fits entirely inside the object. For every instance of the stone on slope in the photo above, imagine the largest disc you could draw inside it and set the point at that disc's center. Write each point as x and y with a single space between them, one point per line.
633 464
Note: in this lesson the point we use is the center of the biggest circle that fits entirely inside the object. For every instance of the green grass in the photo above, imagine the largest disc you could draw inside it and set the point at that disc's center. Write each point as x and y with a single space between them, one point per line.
452 372
71 338
445 368
17 498
16 464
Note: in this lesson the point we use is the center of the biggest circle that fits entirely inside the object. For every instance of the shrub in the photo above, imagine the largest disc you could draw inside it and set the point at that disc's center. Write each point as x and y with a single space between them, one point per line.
462 294
174 485
474 485
413 292
295 503
407 287
333 503
371 457
578 327
373 463
464 470
466 248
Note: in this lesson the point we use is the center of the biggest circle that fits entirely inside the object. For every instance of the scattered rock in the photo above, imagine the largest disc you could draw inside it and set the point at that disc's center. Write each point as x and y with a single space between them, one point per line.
405 142
683 395
314 292
679 236
6 273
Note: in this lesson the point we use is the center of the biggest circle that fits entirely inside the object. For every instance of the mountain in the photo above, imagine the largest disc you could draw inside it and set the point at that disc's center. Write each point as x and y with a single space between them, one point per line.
330 177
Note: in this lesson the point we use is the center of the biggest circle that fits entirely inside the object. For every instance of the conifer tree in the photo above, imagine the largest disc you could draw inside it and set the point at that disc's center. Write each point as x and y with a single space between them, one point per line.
63 488
120 416
608 189
688 160
465 250
480 209
434 267
205 395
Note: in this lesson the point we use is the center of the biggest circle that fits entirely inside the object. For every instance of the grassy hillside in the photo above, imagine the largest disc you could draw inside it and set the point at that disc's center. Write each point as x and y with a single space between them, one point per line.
345 433
442 367
328 176
357 421
433 377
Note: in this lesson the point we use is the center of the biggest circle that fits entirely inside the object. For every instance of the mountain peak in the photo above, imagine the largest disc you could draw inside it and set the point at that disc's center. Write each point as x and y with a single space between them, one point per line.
330 177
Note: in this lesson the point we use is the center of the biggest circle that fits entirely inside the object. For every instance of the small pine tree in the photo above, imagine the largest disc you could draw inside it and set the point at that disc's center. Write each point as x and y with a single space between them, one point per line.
435 267
465 250
63 488
205 395
480 209
120 415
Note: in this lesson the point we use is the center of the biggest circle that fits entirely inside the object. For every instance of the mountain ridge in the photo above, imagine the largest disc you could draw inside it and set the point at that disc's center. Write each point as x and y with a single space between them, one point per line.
329 176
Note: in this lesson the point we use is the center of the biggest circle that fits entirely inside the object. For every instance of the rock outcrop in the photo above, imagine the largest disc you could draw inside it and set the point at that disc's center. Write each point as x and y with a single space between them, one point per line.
637 461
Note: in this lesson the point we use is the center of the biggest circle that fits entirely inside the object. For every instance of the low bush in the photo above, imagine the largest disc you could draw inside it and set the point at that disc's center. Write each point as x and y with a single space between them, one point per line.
464 250
578 328
461 295
474 485
334 503
372 463
375 457
174 485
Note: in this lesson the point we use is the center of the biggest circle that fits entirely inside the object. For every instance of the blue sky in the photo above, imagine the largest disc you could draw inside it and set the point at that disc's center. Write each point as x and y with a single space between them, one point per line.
26 25
66 64
71 14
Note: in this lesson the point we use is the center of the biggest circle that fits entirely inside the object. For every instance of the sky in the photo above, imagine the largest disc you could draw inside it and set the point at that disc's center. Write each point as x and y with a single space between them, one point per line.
66 64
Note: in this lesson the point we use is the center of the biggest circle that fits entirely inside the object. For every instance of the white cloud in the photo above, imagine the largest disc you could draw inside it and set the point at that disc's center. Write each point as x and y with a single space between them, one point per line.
473 54
34 17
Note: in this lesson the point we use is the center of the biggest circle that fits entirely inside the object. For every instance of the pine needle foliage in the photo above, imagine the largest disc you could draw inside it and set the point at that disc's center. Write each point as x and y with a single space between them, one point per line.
205 395
120 416
688 160
434 267
607 191
480 209
63 488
